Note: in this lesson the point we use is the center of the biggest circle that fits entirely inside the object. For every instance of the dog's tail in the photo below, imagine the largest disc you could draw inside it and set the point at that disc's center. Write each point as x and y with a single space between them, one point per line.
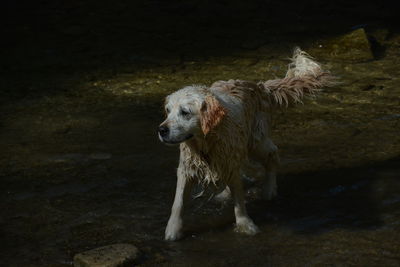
305 77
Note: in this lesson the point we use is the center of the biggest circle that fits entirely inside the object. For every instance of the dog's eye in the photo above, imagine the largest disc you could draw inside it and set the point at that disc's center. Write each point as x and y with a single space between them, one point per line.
185 113
167 110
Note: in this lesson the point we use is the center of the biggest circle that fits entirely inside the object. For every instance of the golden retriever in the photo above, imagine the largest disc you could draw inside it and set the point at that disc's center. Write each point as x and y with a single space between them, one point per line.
223 127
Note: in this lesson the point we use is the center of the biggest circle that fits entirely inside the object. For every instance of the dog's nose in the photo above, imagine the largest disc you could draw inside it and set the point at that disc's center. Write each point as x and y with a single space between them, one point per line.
163 130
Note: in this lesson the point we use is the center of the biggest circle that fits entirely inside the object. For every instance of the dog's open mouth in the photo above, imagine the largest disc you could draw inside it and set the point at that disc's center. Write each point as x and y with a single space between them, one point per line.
174 142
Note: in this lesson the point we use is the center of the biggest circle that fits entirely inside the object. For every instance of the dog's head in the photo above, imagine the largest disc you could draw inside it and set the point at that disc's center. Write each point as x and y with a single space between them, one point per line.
191 112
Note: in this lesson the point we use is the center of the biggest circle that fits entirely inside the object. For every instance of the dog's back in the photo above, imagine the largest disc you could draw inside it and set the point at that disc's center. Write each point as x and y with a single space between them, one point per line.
221 127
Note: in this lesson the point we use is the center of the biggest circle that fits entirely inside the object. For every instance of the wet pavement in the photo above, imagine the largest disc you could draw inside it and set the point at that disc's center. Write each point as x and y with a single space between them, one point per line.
82 167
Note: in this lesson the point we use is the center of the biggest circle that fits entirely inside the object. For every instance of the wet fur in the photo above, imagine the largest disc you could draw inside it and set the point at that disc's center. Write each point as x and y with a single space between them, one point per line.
233 131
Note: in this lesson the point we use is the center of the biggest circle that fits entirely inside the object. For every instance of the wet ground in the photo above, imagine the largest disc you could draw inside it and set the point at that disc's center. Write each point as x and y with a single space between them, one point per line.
81 165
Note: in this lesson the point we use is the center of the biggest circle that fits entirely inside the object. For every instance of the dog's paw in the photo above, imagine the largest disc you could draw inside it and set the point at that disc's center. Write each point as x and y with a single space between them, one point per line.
224 196
246 226
173 231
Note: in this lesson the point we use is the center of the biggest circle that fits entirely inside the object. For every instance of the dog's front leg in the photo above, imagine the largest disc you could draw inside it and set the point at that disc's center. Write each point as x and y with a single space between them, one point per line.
175 223
243 222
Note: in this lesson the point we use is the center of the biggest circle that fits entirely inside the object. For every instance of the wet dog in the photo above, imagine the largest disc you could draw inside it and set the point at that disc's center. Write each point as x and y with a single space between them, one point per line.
221 128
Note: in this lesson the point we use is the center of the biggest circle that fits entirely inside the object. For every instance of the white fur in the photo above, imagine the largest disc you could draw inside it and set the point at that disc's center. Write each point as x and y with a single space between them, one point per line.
302 64
227 151
238 135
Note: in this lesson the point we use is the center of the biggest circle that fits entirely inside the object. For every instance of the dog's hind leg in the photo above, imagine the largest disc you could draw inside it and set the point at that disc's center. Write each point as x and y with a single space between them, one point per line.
270 187
244 224
183 189
267 154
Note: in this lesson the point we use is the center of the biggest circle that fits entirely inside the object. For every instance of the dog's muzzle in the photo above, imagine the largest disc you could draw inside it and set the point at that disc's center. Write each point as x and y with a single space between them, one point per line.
163 131
163 134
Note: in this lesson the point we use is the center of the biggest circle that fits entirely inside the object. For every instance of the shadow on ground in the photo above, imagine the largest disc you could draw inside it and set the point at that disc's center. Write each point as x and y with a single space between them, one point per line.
81 166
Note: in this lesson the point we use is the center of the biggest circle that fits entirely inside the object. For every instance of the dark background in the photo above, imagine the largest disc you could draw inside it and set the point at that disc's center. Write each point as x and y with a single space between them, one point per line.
60 38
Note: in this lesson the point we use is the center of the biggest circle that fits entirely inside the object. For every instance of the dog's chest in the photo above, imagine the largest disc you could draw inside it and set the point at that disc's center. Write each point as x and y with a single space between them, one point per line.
207 169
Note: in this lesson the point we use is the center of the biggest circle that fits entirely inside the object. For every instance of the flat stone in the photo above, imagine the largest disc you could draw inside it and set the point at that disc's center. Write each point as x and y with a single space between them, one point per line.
380 35
393 44
351 47
107 256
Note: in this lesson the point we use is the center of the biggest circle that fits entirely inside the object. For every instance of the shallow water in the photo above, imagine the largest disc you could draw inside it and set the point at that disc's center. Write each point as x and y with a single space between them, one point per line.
82 167
67 203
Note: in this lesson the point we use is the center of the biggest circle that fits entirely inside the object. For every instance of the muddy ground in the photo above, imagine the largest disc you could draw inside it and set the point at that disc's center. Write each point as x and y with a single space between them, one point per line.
81 166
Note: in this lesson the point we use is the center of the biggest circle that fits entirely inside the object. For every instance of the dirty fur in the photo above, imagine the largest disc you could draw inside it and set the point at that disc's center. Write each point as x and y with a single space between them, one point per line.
304 78
221 129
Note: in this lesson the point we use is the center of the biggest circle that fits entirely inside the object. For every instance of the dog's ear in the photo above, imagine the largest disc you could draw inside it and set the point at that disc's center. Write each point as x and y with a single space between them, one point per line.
212 113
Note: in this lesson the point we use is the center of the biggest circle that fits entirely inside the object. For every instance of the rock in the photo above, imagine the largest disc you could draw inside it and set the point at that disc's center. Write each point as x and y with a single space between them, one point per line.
393 46
352 47
108 256
380 35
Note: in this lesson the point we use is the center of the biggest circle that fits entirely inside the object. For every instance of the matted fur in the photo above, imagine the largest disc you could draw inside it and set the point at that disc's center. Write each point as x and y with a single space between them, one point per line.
227 127
304 77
